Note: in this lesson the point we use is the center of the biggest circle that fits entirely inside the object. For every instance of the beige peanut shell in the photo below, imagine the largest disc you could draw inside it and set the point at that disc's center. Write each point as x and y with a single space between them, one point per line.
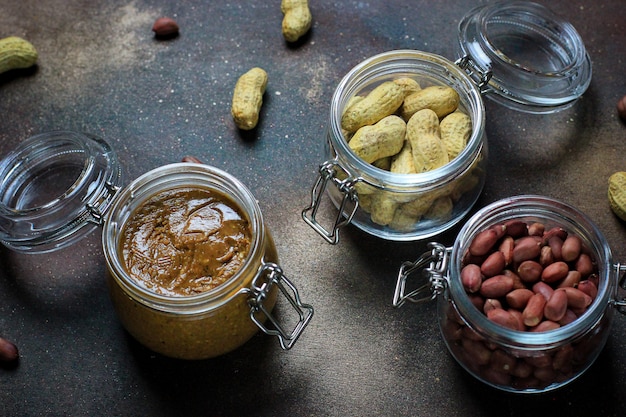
443 100
248 98
381 102
297 19
428 149
16 53
381 140
455 129
617 194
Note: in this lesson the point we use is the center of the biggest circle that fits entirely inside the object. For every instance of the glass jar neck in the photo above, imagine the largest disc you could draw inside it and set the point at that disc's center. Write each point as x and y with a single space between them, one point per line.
183 175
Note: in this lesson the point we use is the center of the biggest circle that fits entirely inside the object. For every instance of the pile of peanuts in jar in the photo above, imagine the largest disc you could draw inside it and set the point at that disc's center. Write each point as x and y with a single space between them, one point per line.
527 278
403 128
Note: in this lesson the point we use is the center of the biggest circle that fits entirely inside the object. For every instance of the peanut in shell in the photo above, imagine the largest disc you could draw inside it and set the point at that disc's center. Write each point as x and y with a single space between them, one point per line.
617 194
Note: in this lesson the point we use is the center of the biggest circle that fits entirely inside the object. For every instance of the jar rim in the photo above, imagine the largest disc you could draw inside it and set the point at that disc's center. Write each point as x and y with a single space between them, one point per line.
182 175
402 62
532 206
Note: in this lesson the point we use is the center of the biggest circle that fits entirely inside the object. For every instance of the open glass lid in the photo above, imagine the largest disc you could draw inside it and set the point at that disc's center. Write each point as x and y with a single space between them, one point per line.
54 189
529 58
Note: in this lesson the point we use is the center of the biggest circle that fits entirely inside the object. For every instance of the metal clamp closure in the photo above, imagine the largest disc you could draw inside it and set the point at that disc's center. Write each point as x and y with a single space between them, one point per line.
97 216
345 214
480 78
620 304
437 261
268 275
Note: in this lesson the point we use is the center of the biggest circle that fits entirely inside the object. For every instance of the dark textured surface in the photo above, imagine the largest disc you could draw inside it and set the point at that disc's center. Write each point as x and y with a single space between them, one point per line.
100 70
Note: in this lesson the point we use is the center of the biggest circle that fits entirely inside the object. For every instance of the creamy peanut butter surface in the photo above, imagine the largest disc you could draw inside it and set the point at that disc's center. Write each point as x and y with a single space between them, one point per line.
185 241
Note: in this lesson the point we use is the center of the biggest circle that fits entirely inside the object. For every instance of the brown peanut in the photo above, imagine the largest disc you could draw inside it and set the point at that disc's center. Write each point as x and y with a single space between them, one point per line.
533 312
493 265
165 27
526 248
8 351
518 298
529 271
471 277
555 272
496 287
556 306
571 248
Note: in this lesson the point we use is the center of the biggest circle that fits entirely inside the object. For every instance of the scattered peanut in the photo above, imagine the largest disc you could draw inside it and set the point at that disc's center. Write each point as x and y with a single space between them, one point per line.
248 98
8 351
165 27
16 53
297 19
617 194
621 108
190 158
525 295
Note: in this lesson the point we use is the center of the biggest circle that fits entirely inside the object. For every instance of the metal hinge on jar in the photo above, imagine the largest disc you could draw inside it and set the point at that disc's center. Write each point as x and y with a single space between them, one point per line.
95 210
481 78
620 304
328 172
267 276
433 266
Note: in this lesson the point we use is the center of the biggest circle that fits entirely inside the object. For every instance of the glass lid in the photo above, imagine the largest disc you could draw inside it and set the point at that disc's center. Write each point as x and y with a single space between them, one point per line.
534 61
54 189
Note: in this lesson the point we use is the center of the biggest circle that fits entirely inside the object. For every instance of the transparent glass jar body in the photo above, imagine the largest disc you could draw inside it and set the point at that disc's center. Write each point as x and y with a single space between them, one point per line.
395 206
517 361
188 327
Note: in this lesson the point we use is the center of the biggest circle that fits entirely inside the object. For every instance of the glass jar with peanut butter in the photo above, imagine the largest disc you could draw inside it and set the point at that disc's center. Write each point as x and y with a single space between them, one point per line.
192 268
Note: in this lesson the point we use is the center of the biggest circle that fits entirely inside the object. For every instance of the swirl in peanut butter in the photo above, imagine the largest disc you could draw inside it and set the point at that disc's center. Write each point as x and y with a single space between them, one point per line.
184 242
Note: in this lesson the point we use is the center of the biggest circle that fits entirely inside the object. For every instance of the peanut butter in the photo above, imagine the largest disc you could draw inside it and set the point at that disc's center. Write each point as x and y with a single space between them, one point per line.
186 241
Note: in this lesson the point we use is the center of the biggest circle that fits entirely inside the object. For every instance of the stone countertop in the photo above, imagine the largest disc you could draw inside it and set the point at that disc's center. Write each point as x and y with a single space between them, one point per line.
101 70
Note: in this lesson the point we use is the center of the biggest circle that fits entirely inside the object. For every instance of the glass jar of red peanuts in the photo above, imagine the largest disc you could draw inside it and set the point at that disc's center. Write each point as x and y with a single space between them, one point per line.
526 295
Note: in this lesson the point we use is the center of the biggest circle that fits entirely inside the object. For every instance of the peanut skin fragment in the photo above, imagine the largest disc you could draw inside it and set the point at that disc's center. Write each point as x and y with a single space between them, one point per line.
248 98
